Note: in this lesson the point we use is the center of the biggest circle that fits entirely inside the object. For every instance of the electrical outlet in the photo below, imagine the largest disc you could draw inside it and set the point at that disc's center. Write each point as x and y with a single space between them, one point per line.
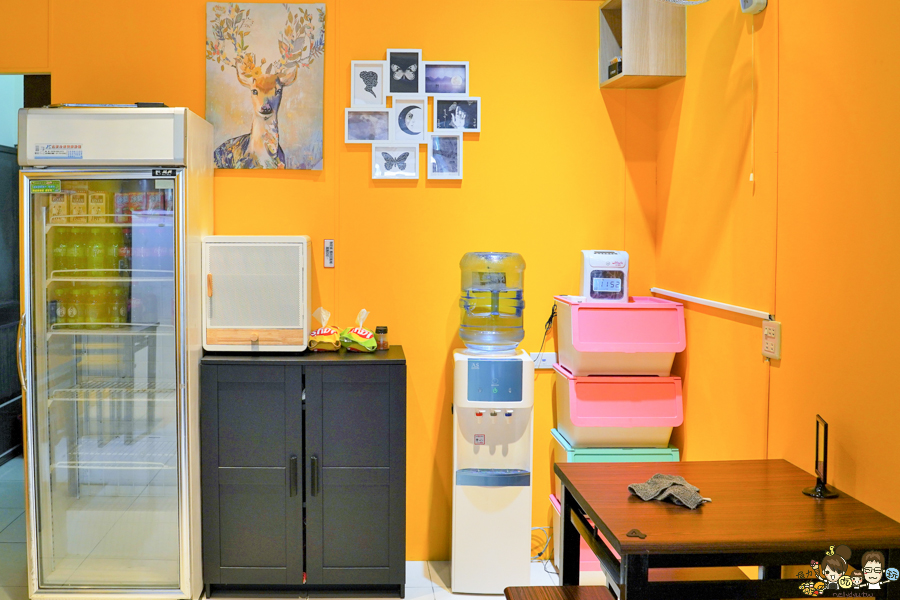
771 347
546 361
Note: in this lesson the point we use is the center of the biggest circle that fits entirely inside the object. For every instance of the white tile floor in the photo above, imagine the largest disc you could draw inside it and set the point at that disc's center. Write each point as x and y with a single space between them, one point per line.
12 531
424 580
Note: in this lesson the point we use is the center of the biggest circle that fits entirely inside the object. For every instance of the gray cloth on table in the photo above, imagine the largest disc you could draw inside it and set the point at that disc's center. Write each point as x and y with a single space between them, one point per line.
669 487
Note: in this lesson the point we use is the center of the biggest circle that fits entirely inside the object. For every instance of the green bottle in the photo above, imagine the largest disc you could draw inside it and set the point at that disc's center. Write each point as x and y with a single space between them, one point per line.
96 252
113 241
59 249
76 253
75 308
117 308
95 309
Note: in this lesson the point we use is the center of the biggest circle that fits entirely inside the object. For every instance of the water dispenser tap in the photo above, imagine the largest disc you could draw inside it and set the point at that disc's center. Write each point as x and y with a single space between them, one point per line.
494 416
509 415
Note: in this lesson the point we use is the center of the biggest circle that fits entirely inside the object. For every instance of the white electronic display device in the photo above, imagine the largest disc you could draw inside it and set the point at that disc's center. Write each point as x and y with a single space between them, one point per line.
604 275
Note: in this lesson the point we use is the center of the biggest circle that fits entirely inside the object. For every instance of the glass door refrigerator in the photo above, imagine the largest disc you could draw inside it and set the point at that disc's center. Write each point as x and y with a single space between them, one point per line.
115 202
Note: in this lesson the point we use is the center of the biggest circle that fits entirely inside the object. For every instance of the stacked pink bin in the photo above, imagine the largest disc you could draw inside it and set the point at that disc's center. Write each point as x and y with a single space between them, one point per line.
613 387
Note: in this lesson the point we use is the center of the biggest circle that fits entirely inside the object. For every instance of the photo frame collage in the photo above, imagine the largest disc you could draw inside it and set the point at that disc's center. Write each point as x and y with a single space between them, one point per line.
395 132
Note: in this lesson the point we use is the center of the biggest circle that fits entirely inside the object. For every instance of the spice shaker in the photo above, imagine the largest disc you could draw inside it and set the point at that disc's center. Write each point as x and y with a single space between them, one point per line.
381 338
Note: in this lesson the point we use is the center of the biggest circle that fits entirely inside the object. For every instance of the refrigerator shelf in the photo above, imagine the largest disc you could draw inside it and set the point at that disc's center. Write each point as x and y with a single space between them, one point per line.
113 464
145 329
104 390
145 219
83 276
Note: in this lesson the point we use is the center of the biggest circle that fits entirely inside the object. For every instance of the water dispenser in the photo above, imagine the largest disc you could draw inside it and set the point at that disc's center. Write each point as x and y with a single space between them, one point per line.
492 300
493 399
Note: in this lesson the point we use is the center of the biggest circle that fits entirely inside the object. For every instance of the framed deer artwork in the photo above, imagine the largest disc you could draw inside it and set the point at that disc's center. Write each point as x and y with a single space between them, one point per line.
265 84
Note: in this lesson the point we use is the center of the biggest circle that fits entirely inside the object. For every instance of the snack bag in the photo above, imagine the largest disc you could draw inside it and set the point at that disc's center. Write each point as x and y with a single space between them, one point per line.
325 338
357 339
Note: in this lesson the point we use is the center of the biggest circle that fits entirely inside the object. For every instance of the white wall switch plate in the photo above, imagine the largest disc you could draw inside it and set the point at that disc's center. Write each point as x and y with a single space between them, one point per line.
329 253
771 347
546 361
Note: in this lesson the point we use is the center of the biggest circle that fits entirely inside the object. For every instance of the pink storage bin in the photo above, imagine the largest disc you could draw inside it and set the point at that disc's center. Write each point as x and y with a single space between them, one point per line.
617 412
640 337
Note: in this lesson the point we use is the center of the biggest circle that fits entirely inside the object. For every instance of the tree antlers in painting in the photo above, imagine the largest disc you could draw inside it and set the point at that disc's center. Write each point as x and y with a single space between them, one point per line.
300 42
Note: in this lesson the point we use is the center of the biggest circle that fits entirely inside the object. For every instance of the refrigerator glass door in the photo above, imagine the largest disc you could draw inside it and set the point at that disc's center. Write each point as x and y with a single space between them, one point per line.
102 393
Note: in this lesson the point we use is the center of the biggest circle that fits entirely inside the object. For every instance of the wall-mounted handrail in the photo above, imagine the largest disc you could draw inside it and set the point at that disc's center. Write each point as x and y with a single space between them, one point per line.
759 314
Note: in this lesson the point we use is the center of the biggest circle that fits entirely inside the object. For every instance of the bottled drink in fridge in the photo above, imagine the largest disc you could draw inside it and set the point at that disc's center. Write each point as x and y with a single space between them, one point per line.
95 308
63 300
59 248
96 252
76 253
113 242
125 253
76 307
117 307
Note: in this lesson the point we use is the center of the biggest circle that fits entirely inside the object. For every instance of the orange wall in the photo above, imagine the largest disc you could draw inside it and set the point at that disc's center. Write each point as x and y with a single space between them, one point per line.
715 234
548 166
838 216
560 167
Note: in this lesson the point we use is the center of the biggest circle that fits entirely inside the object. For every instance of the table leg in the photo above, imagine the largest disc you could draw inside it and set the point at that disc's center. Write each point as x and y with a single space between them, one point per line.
770 572
637 570
570 542
892 588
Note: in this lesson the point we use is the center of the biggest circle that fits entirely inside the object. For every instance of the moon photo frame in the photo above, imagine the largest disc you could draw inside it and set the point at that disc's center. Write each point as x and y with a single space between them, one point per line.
367 125
445 155
445 78
395 161
457 113
368 83
410 119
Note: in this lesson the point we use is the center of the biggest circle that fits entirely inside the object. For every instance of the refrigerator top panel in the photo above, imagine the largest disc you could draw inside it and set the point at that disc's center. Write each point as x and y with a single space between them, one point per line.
82 137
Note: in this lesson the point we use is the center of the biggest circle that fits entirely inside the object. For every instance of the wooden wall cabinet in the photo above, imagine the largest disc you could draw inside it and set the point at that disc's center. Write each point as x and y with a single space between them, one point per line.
649 36
303 466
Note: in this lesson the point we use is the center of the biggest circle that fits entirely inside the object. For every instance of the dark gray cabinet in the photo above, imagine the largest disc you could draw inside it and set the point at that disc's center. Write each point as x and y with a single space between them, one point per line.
304 471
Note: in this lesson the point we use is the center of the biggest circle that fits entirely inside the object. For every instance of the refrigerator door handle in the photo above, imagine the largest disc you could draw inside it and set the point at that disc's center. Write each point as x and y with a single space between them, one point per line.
314 475
293 491
20 355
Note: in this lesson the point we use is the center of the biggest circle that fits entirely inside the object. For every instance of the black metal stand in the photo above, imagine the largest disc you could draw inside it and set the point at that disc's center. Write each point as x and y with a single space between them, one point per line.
821 490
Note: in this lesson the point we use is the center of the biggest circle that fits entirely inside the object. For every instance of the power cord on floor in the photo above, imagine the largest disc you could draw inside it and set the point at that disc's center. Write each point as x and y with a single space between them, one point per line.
545 561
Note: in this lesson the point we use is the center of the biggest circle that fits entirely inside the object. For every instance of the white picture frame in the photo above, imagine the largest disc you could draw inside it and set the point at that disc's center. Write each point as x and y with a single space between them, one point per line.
367 125
400 61
465 109
439 78
442 167
410 114
386 161
364 92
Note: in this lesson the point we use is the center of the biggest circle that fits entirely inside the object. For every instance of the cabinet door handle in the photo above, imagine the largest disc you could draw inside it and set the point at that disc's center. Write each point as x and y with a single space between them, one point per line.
314 475
293 476
209 285
20 355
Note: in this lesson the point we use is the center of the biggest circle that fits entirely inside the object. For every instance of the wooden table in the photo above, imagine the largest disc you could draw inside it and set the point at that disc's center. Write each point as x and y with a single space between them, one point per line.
758 516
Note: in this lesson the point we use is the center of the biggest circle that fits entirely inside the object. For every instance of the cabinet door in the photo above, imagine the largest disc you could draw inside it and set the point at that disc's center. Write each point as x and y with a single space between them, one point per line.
356 446
252 444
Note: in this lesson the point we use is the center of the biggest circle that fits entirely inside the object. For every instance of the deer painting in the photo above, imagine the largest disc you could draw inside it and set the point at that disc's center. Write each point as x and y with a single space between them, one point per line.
300 42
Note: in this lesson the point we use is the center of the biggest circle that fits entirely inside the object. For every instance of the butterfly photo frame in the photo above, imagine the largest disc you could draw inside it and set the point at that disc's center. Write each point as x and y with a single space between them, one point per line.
368 83
395 161
404 72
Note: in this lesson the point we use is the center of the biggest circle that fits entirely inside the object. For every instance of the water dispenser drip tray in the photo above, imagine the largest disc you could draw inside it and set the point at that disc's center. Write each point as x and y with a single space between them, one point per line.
493 477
